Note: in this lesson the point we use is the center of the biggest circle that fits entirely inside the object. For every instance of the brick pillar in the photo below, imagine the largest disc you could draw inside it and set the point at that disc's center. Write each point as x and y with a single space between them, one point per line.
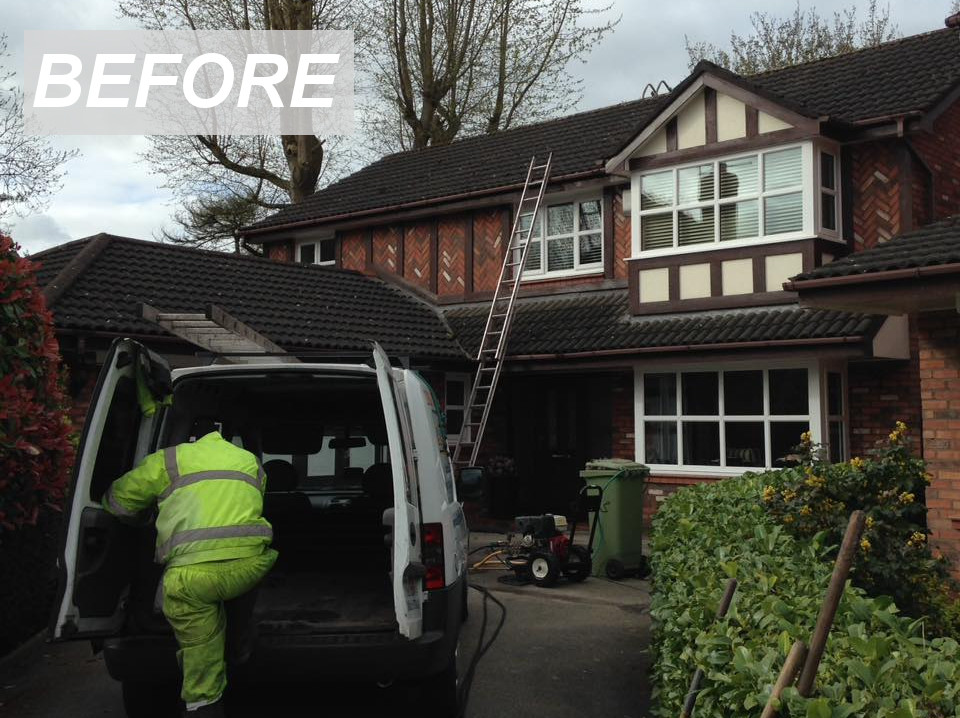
623 445
939 350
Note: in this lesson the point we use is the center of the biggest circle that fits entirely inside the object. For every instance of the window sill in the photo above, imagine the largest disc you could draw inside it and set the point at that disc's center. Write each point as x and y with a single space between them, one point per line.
569 274
716 246
701 472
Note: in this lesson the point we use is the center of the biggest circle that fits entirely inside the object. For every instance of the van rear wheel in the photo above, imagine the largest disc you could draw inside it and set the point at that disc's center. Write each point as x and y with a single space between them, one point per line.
142 699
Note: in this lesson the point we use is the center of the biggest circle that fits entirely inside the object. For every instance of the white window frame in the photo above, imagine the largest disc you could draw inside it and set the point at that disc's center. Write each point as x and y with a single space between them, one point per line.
806 188
579 269
834 151
816 396
844 416
316 250
452 439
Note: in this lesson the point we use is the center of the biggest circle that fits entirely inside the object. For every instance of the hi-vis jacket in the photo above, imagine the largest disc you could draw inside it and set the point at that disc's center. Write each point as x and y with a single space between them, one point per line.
210 499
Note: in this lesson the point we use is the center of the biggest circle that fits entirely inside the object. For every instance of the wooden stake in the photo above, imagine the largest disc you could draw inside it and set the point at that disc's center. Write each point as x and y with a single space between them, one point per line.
841 569
787 675
687 710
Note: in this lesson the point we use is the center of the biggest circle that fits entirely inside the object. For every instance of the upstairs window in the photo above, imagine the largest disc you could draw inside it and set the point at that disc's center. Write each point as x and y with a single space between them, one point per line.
321 251
566 239
752 197
828 192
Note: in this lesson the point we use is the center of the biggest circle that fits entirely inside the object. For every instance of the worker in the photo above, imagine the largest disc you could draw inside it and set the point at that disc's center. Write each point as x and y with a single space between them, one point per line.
215 543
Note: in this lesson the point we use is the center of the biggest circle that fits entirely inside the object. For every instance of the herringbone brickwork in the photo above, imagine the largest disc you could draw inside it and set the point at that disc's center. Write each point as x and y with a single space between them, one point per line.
622 248
280 251
451 235
876 194
940 150
353 251
386 247
488 247
416 254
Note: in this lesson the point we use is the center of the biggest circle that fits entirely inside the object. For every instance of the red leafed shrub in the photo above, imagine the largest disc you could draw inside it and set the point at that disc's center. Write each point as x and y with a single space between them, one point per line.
36 443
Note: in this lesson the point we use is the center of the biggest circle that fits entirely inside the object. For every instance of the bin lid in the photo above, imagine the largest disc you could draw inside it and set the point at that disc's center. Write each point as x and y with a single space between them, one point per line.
608 467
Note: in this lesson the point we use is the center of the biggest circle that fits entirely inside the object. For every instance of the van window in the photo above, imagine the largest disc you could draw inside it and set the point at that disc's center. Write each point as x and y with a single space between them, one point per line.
118 444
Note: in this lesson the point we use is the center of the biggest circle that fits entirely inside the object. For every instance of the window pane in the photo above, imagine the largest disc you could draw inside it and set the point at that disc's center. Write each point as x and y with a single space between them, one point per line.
781 169
788 392
696 226
783 213
656 231
533 256
307 253
828 210
740 220
745 444
328 250
738 177
455 392
656 190
743 394
834 393
591 249
590 215
701 443
837 449
454 421
696 184
701 393
784 438
559 254
560 219
660 438
660 394
525 223
827 174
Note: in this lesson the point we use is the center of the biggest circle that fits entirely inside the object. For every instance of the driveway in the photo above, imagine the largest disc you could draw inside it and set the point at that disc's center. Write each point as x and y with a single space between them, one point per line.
570 651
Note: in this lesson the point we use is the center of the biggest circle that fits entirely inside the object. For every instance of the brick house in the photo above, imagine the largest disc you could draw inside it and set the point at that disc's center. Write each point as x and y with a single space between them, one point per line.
653 322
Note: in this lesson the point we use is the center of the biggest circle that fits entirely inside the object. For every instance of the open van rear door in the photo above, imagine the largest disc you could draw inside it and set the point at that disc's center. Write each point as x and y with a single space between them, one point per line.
408 571
98 552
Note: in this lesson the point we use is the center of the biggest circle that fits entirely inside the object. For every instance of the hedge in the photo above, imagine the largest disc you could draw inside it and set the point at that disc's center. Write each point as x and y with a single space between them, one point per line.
877 662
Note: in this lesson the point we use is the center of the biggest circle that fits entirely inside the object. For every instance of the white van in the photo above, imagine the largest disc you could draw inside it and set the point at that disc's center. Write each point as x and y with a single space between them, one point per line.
371 579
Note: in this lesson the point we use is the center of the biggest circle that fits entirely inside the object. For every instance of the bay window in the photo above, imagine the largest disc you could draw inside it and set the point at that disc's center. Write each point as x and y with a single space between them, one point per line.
567 238
762 196
732 419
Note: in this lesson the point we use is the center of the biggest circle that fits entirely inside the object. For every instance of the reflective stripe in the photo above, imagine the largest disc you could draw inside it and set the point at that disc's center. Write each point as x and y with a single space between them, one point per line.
214 532
116 507
199 476
170 463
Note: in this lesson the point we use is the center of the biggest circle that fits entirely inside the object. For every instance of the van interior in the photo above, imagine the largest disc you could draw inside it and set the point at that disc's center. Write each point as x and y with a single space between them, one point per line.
323 444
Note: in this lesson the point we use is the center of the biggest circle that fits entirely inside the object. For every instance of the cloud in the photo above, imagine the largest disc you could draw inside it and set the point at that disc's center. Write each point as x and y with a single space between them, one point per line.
38 232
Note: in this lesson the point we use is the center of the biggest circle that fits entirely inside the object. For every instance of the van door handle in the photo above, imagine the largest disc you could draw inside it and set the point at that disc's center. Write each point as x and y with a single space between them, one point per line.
414 572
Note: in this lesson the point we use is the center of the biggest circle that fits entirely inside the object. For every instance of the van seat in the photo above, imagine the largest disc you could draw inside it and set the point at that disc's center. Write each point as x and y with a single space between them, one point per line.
288 510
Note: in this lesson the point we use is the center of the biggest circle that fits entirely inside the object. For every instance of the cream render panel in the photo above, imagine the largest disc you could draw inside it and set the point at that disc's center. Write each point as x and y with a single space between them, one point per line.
656 145
654 285
737 276
780 267
769 123
695 281
731 118
692 124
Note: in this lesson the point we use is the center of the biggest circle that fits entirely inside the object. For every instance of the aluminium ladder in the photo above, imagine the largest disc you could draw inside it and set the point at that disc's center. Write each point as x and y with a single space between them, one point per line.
493 345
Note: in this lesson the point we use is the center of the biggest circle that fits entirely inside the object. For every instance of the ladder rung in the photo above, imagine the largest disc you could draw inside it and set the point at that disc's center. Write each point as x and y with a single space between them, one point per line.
540 167
488 368
513 264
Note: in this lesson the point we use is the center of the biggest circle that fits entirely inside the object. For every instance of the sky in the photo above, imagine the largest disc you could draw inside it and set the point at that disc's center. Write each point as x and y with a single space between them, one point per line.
108 189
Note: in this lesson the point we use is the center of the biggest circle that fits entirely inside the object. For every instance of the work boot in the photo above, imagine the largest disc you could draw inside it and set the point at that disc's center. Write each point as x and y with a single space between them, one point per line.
212 710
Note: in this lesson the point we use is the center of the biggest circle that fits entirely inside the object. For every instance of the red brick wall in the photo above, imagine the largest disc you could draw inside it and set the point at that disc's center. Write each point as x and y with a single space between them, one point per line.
622 248
622 441
940 149
280 251
386 247
880 394
353 251
488 247
451 238
416 254
875 172
939 349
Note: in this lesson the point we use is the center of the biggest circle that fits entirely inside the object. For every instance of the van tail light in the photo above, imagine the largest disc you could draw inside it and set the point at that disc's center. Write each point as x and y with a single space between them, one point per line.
433 555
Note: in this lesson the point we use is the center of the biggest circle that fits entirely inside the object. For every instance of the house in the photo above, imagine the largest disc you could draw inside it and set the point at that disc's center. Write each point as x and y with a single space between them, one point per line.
653 322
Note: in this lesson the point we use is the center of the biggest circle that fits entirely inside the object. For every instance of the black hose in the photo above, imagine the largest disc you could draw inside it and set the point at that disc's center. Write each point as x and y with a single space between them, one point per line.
467 683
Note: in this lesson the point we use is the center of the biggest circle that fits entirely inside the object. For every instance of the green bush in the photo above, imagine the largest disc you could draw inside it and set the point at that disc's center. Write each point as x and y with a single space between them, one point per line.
895 558
877 663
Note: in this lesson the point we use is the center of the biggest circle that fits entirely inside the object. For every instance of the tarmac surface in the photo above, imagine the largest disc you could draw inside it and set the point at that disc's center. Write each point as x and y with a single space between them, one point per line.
575 650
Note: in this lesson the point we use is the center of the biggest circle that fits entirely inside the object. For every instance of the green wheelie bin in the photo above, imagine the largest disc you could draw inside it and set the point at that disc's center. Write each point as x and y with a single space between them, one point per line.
618 545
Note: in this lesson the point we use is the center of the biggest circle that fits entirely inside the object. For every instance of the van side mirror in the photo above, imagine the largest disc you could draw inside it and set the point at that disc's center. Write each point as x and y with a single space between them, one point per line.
472 483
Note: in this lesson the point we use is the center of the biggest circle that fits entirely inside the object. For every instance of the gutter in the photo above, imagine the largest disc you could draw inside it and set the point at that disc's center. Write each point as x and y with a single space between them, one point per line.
768 344
417 203
873 277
